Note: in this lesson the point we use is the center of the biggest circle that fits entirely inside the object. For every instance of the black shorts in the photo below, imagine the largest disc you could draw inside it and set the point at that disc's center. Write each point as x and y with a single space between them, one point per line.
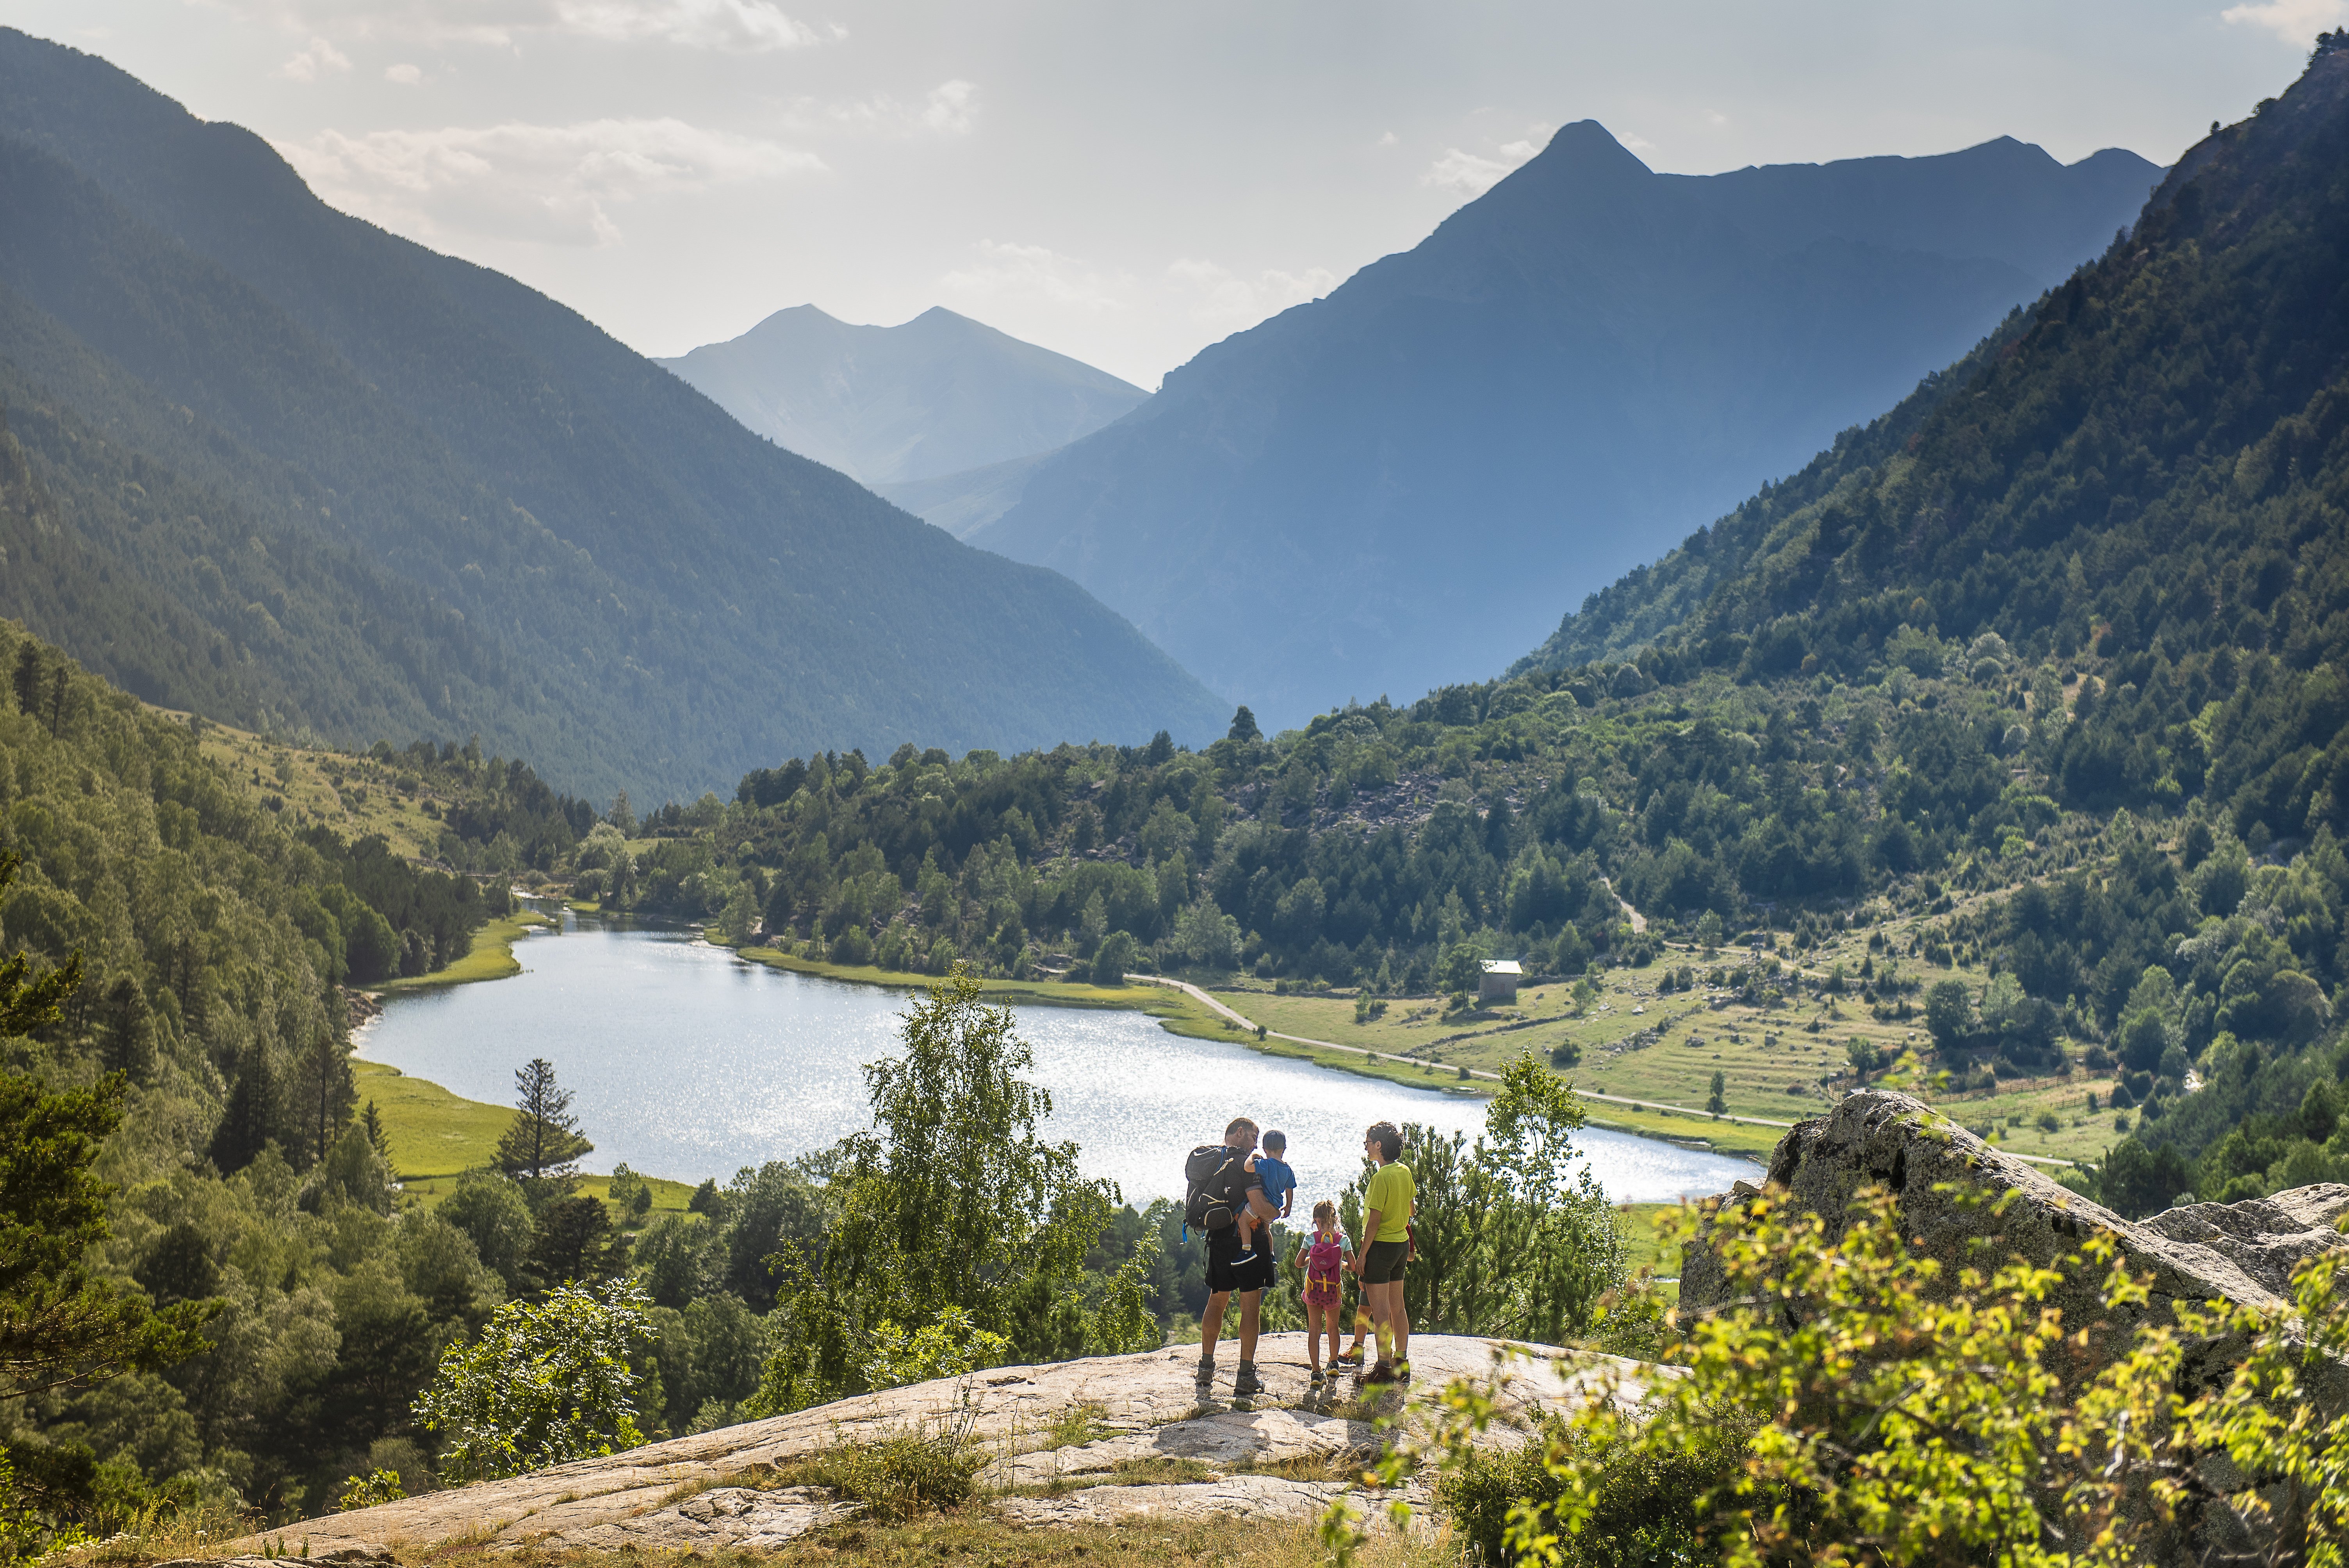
1382 1264
1224 1274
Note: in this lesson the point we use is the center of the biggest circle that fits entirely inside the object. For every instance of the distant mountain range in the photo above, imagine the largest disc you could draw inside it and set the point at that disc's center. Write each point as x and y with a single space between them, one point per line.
940 394
1401 484
273 464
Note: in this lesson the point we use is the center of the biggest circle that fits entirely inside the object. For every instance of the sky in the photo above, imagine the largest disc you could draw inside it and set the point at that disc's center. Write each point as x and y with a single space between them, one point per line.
1122 182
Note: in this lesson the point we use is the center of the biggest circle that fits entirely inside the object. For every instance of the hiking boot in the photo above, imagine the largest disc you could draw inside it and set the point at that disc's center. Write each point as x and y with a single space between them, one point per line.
1381 1373
1319 1378
1206 1370
1246 1382
1351 1358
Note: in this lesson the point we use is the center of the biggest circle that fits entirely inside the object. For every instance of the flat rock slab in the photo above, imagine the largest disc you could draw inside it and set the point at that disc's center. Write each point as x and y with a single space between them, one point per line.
722 1519
1014 1410
1225 1440
372 1556
1234 1497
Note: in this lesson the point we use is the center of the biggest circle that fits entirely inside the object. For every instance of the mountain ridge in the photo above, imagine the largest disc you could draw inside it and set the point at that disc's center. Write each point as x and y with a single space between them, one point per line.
465 461
1564 377
936 396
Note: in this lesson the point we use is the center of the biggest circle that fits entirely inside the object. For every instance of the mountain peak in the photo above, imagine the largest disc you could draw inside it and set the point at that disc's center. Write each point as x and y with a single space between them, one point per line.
941 394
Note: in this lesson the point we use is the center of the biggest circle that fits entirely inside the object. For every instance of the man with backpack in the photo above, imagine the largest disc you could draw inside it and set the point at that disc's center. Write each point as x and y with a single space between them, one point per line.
1221 1181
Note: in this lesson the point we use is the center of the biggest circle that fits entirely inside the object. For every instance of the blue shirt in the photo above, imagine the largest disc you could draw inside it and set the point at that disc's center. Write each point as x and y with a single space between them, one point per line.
1275 1178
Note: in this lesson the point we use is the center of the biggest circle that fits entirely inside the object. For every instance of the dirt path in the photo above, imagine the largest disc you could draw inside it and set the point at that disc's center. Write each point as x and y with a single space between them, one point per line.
1639 920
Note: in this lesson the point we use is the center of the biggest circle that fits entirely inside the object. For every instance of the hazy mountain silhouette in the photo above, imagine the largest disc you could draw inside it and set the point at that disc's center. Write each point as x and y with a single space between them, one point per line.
939 395
277 465
1398 485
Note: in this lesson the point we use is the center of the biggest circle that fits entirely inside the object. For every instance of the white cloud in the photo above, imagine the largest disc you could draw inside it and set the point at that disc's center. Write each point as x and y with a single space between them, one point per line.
747 26
407 76
1464 173
312 63
1222 298
1389 139
1034 273
2293 21
558 184
950 109
1473 173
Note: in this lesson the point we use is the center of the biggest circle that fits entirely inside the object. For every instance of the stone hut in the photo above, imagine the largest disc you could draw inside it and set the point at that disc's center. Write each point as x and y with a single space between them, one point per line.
1500 980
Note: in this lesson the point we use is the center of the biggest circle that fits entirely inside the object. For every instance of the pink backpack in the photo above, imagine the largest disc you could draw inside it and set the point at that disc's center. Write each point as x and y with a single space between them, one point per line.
1322 1262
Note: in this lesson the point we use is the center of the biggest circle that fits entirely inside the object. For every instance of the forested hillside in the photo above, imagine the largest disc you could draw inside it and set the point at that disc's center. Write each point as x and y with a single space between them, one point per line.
212 941
214 938
2049 659
272 464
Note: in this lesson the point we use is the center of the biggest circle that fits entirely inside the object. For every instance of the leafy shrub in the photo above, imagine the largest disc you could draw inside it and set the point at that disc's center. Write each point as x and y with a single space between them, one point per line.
547 1382
950 1347
367 1490
899 1476
1645 1509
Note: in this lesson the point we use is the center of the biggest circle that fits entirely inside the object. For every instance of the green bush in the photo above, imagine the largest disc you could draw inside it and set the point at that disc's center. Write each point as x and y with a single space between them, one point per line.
1645 1512
898 1476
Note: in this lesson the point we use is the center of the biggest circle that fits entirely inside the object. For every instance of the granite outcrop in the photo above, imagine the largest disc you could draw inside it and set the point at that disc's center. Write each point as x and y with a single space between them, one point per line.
1094 1441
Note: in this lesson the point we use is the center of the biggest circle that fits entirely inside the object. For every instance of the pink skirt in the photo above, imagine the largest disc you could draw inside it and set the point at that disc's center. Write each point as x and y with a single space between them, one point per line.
1321 1293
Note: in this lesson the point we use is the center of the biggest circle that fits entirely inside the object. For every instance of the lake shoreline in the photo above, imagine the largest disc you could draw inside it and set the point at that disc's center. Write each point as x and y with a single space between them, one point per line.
692 1059
1175 1009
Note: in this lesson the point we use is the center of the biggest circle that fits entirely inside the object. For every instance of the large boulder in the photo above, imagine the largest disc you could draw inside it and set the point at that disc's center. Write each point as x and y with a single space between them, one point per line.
2241 1253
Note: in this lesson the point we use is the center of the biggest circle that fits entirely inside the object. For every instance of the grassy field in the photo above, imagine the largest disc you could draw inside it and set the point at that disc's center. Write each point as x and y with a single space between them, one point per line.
491 957
436 1136
1780 1063
1642 1247
353 794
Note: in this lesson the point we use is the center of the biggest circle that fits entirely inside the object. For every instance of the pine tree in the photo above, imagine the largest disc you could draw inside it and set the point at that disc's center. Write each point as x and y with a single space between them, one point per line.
28 677
378 1134
60 693
244 1128
542 1141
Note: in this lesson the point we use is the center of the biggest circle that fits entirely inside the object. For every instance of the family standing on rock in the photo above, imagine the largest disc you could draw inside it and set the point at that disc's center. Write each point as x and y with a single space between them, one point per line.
1234 1194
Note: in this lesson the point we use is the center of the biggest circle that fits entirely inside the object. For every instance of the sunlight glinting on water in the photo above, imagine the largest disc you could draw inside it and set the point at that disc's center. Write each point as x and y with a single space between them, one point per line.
688 1062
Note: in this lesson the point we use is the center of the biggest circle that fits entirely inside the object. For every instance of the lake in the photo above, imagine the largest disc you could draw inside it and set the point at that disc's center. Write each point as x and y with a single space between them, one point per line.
688 1062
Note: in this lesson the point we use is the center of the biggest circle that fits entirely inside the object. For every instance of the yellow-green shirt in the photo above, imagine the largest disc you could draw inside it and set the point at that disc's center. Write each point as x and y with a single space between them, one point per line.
1389 1193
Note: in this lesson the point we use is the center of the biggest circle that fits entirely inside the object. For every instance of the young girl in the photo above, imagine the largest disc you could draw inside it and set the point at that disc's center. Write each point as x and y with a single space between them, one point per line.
1322 1256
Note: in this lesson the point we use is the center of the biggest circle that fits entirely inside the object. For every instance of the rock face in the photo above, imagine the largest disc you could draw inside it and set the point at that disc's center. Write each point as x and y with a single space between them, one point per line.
1066 1438
2242 1252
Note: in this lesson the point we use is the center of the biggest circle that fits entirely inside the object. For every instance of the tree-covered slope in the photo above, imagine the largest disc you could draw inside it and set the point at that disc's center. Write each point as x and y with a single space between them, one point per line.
501 519
2149 470
2034 685
1395 487
2120 533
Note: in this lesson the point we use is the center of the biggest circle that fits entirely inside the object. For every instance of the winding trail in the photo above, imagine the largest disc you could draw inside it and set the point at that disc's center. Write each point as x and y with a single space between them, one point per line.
1246 1023
1639 920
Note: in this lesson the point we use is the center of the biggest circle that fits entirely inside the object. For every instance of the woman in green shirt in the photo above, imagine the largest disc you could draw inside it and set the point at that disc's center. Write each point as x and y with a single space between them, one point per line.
1385 1248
